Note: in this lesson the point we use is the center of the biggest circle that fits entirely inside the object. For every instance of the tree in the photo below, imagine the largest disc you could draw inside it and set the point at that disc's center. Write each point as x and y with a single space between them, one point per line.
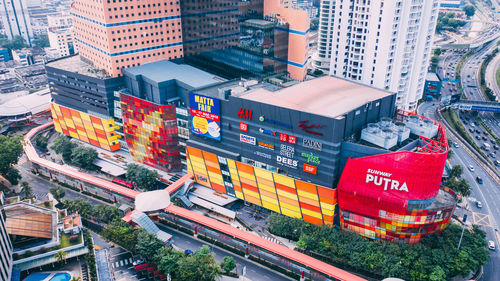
461 186
41 41
76 278
83 157
147 244
41 142
16 43
13 175
167 259
456 171
58 192
469 10
228 264
26 190
11 149
200 266
63 145
437 51
60 256
143 177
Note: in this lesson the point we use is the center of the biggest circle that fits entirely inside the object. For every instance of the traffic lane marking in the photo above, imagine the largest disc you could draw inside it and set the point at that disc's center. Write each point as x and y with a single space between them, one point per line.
481 219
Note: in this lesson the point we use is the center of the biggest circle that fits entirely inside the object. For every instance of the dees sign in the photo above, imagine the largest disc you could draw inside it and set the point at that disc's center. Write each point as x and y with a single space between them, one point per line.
205 116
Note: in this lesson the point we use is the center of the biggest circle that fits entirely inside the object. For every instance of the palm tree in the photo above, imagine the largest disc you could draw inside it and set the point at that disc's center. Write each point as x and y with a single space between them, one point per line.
26 190
76 278
61 256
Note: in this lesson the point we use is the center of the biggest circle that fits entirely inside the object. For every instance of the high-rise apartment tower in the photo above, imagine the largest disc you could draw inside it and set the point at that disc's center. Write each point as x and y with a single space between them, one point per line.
385 44
321 58
16 20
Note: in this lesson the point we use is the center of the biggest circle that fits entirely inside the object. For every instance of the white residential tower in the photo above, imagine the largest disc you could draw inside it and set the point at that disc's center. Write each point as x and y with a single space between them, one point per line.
16 19
321 58
385 44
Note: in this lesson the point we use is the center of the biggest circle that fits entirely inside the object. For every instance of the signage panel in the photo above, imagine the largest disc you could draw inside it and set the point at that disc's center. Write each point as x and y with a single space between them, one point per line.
266 145
310 169
205 116
248 139
243 127
312 144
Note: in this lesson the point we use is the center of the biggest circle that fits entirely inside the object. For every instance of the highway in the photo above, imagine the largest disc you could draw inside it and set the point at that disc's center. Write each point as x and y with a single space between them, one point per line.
487 193
469 79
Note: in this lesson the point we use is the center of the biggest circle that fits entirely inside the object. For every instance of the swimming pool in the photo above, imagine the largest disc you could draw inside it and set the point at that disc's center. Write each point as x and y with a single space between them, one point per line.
37 277
60 277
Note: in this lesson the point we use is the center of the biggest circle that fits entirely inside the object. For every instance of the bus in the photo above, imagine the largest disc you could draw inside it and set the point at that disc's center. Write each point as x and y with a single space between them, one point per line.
123 183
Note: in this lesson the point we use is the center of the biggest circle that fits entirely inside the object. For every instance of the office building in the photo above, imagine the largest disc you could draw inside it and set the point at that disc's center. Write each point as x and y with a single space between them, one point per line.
25 57
385 44
322 57
16 20
5 245
112 35
61 35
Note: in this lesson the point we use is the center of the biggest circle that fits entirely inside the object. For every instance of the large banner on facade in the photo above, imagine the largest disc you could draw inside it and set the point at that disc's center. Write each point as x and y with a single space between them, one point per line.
205 116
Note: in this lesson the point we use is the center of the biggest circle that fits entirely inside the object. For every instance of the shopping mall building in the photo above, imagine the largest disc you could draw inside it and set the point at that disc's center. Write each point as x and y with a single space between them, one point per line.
328 151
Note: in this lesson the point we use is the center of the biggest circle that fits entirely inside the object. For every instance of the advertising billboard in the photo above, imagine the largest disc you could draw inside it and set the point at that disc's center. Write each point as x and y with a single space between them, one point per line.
205 116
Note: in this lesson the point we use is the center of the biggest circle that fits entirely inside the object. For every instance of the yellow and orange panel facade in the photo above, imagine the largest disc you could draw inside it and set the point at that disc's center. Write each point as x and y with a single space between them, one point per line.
97 131
276 192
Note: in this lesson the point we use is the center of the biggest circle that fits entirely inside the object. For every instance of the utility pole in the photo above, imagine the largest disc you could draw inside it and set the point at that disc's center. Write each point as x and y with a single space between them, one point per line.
463 229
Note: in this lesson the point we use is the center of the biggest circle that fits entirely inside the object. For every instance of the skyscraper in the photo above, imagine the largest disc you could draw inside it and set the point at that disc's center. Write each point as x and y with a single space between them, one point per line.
115 34
5 246
321 58
385 44
16 20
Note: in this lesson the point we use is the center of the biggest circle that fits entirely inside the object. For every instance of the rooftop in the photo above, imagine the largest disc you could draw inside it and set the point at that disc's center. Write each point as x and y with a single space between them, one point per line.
30 220
34 103
432 76
163 71
152 200
76 65
327 96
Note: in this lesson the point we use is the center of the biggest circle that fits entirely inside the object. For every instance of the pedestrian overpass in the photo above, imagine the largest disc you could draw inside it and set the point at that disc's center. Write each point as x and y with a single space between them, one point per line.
490 106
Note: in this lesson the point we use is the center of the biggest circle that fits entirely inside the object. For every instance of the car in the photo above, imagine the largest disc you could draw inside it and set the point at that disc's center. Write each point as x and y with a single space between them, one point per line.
478 131
485 133
479 180
138 262
472 124
465 122
479 204
495 147
471 168
497 163
485 138
188 252
471 130
491 245
478 137
456 145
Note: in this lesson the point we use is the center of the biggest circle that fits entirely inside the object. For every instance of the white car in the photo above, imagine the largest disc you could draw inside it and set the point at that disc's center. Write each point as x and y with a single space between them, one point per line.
479 204
471 168
138 262
491 245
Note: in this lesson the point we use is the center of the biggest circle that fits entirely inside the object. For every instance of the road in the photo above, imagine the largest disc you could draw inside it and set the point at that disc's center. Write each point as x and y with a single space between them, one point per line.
487 193
253 271
491 74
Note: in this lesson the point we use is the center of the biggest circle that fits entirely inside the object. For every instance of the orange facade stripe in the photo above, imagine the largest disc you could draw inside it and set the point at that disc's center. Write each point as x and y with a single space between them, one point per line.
288 201
327 192
285 188
210 156
312 219
218 187
194 151
244 168
311 188
250 187
212 169
310 207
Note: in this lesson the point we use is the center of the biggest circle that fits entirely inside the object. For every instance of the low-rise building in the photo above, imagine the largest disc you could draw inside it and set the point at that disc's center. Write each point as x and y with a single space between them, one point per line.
432 85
